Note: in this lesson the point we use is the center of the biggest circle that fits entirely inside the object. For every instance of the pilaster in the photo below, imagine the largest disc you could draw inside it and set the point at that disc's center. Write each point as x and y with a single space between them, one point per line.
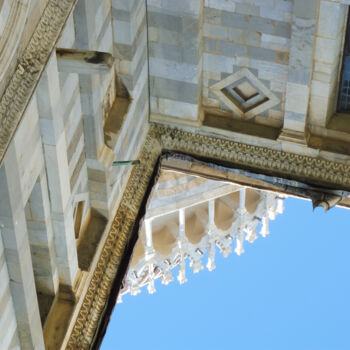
299 70
57 169
18 255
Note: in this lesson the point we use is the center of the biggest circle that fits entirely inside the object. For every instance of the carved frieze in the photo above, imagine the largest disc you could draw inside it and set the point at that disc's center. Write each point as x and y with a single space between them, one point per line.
29 68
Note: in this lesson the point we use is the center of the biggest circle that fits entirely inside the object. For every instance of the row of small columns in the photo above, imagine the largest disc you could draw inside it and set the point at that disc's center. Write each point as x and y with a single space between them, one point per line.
182 240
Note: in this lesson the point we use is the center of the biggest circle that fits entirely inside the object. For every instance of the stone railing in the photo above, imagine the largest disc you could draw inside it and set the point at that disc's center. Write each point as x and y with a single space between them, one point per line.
153 265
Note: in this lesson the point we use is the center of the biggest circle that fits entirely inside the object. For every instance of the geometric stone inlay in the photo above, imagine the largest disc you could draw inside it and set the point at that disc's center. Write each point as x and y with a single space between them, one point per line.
246 95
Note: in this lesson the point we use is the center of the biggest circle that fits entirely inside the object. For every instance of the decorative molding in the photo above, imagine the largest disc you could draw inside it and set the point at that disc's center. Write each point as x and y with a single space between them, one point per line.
96 297
292 136
261 159
29 68
10 37
162 138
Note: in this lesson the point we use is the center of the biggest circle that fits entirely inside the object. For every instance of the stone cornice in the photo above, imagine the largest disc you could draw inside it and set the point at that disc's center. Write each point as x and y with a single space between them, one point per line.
29 68
98 291
161 138
312 170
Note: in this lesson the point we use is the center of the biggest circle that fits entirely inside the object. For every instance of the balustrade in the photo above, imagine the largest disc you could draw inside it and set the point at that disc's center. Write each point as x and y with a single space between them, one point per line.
153 264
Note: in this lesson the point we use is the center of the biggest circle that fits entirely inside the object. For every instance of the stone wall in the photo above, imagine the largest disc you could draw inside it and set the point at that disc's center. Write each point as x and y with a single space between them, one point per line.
253 35
175 61
180 63
58 189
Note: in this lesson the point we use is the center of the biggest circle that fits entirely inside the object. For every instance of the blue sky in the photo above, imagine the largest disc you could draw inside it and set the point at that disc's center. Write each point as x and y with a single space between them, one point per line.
288 291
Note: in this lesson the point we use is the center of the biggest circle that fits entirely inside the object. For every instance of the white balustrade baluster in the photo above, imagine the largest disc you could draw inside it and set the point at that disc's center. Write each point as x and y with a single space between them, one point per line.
182 271
167 277
151 289
149 251
181 244
225 245
271 214
251 235
211 234
242 195
211 257
149 255
242 211
196 264
271 206
239 242
265 217
280 205
264 226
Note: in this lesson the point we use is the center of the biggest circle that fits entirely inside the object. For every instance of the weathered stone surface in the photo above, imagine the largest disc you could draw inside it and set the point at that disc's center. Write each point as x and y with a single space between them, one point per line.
163 73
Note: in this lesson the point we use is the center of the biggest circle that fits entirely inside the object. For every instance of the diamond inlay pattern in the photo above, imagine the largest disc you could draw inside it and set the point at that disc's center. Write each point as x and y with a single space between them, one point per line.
245 94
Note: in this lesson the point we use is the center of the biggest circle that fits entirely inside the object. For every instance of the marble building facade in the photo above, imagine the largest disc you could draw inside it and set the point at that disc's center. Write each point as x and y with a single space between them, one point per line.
252 85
